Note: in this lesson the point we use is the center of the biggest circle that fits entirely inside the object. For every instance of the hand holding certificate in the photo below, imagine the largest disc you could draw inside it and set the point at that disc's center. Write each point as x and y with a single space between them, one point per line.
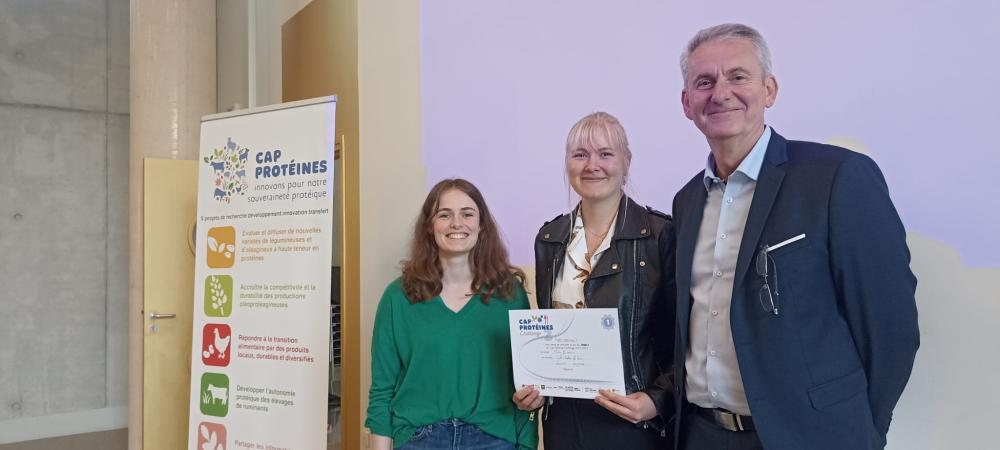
567 352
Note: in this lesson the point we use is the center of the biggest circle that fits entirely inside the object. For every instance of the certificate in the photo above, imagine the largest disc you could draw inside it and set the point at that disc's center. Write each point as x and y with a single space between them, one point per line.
567 352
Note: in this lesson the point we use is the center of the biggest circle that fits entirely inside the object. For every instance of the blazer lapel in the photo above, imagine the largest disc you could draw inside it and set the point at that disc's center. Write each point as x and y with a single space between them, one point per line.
768 185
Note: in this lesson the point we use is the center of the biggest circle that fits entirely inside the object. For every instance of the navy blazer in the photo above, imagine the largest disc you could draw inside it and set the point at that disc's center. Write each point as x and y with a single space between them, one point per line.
827 372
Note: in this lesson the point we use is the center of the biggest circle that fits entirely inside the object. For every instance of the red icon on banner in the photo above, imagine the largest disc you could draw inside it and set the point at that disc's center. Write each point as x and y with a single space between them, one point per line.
211 436
215 339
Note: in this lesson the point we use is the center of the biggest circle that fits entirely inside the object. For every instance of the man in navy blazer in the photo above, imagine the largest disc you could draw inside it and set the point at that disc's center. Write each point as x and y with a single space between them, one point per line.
797 325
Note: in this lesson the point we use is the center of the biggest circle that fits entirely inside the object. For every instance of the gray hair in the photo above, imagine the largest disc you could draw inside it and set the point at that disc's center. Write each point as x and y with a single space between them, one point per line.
728 31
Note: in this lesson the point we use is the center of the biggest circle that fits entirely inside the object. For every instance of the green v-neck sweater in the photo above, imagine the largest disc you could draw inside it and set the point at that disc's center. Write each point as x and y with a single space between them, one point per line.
431 364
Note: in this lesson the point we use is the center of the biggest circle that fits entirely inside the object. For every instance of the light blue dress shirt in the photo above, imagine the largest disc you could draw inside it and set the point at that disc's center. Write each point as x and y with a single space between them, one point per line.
713 373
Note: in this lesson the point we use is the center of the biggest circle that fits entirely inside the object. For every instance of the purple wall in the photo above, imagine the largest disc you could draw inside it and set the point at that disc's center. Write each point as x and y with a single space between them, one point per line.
915 83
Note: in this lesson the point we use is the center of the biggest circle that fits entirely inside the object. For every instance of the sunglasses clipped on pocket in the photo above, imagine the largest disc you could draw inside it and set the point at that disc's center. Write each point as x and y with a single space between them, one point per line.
768 296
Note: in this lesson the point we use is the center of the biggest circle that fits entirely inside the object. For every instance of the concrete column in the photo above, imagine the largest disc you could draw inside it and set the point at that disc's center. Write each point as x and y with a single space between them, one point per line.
173 84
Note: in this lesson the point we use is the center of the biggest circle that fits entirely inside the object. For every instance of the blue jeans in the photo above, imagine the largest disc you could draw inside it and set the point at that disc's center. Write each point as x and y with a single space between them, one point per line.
453 434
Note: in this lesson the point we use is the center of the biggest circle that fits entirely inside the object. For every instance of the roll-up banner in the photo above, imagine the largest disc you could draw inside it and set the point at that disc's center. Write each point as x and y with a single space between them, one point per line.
261 335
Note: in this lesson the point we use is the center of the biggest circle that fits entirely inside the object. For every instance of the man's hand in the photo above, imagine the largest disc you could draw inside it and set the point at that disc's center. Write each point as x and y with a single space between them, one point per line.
528 398
635 407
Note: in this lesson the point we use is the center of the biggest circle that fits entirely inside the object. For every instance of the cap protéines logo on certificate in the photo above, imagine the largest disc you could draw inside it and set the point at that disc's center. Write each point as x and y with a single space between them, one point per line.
534 325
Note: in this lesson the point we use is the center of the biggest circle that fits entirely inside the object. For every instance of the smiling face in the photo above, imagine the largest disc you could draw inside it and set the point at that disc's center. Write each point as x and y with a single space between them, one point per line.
455 223
726 91
597 157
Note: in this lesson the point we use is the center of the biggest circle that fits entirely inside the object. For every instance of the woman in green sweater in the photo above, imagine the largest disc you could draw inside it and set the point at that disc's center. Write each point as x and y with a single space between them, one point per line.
441 361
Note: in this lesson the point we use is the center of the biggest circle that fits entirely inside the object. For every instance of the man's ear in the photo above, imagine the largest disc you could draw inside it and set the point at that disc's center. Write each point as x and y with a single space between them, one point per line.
686 104
771 86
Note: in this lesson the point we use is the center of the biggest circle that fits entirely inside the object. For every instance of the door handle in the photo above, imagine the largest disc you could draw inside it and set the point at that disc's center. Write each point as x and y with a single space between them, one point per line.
155 315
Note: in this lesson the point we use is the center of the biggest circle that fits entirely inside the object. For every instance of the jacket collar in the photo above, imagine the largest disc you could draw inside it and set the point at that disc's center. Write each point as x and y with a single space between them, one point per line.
631 223
768 184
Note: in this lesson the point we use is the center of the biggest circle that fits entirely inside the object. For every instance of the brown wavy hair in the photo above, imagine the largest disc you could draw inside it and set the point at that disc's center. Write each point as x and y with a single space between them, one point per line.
492 274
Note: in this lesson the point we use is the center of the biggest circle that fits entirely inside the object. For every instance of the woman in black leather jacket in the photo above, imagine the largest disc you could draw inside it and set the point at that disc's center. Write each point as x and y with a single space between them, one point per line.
610 252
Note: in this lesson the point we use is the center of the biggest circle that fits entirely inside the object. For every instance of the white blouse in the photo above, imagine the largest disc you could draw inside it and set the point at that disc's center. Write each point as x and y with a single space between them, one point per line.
568 290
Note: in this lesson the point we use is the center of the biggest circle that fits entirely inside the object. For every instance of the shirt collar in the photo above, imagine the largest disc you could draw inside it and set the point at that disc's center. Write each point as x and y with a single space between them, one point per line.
750 166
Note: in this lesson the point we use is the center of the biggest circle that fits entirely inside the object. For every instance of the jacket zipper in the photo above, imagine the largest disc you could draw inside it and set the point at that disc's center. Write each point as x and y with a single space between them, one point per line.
552 287
635 305
552 277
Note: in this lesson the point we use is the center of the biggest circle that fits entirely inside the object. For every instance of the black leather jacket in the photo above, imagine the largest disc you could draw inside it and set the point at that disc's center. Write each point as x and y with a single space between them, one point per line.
636 274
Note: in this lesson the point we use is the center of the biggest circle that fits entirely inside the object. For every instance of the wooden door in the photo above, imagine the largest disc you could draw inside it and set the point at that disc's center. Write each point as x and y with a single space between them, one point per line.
170 208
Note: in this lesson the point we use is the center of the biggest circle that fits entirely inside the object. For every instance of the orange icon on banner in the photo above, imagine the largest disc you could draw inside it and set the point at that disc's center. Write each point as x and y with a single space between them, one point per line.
221 247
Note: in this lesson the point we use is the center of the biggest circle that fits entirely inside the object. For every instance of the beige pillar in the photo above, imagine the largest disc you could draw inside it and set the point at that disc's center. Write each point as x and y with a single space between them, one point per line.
173 83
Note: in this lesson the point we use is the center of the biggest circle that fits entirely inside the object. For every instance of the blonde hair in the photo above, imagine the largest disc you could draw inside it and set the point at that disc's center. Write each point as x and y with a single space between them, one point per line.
586 131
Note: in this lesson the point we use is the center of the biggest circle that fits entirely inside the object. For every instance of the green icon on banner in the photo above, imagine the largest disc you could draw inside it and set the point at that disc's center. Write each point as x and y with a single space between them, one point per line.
218 295
214 396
